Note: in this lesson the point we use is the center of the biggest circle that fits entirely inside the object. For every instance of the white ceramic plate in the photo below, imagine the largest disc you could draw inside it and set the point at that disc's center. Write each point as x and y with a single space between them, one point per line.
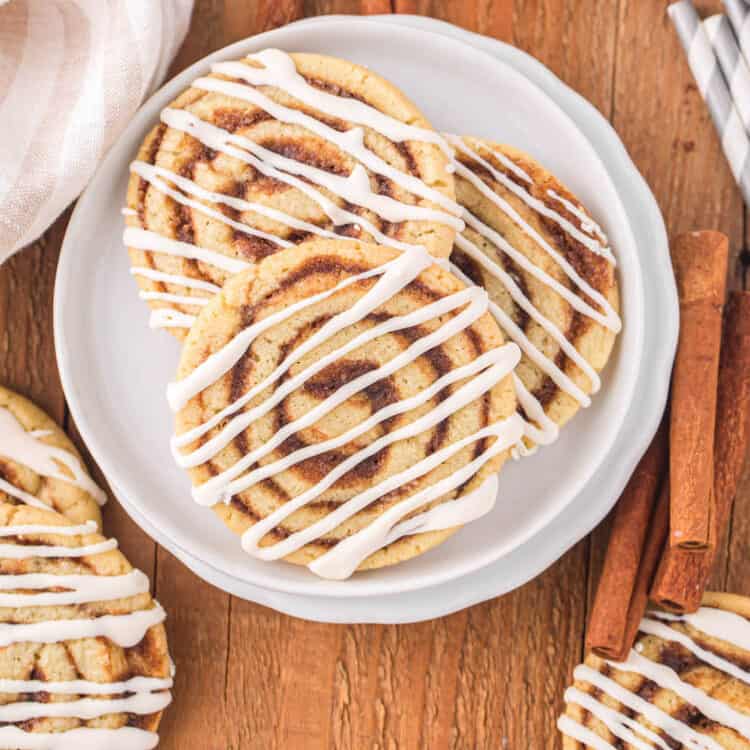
584 512
114 370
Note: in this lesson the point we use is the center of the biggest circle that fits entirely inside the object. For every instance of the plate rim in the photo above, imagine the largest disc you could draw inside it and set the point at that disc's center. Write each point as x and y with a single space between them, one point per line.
239 46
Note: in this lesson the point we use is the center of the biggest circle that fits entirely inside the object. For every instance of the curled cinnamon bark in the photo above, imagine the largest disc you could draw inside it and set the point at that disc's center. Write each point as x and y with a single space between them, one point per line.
700 264
683 575
632 555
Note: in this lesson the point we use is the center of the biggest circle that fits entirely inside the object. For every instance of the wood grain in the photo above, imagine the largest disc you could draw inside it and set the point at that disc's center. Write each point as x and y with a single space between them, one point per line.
198 628
491 676
27 350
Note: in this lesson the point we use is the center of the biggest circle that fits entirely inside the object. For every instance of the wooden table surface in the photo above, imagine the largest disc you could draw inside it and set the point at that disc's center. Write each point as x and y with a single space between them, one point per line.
492 676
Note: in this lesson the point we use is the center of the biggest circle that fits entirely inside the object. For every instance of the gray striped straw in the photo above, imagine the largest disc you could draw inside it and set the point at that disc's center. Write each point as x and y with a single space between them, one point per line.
738 11
715 92
732 64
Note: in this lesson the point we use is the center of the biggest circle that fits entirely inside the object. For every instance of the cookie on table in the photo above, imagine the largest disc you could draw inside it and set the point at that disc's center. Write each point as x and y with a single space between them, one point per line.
271 150
300 386
83 651
39 465
547 267
686 683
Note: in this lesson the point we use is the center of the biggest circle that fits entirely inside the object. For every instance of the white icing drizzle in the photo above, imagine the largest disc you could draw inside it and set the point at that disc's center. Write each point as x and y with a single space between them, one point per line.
240 204
89 527
463 510
727 626
581 733
128 212
343 559
468 247
654 627
483 374
399 407
149 173
86 708
172 278
177 299
21 551
620 725
19 494
448 515
83 588
239 423
166 317
344 562
585 239
510 164
396 274
612 318
222 140
661 719
354 188
350 141
280 71
544 431
717 623
667 678
124 630
220 487
587 223
137 684
144 239
81 738
26 448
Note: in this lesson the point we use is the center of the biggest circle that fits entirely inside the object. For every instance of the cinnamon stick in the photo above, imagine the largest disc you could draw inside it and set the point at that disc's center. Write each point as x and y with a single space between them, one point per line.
655 544
617 604
683 575
700 264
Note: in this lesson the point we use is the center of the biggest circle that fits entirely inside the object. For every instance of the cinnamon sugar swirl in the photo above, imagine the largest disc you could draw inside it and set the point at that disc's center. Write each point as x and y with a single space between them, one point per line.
271 150
549 272
685 684
345 406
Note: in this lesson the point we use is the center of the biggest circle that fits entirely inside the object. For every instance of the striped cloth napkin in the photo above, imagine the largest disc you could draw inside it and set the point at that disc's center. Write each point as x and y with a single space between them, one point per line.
72 74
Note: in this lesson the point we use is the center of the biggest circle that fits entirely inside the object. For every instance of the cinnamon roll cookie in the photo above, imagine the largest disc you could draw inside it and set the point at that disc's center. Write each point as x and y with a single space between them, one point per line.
685 684
265 152
83 652
40 466
549 272
345 406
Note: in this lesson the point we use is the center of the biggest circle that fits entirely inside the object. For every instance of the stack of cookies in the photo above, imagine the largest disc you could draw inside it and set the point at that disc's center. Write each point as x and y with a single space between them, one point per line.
375 315
374 318
83 651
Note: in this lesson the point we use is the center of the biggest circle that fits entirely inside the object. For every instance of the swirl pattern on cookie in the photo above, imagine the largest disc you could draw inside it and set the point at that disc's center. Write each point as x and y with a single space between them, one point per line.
345 406
686 683
40 466
269 151
83 653
548 269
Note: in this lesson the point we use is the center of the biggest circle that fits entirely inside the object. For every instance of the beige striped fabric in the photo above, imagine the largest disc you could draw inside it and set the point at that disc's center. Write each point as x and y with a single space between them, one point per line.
72 74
